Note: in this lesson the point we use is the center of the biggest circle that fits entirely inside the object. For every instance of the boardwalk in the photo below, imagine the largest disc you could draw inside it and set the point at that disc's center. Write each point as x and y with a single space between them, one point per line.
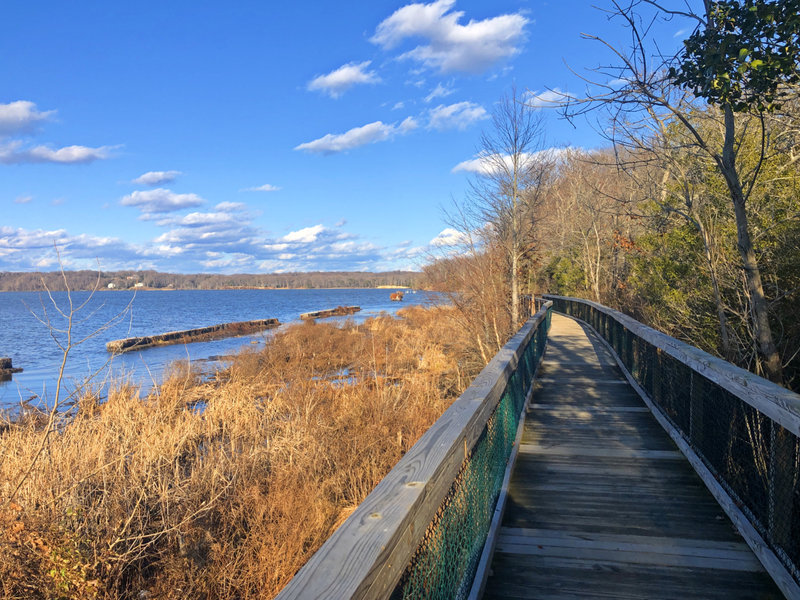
602 504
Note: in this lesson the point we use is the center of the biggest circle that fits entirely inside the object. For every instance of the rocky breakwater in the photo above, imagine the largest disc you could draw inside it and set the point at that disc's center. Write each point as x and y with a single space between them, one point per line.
202 334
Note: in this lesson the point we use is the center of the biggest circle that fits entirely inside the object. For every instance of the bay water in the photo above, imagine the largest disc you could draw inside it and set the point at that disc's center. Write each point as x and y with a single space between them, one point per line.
32 325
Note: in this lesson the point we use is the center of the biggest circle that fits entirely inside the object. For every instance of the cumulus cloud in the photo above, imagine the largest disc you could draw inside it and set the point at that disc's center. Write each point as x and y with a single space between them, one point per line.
21 116
156 177
358 136
448 237
199 219
548 99
455 116
160 200
13 153
34 249
231 206
262 188
305 235
202 241
491 164
451 46
340 80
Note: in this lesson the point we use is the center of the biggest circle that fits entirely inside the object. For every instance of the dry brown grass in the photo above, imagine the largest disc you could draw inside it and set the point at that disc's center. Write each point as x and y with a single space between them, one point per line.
154 499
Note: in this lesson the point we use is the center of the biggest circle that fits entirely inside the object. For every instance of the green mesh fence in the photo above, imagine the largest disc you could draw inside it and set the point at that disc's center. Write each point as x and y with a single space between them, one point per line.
755 459
444 565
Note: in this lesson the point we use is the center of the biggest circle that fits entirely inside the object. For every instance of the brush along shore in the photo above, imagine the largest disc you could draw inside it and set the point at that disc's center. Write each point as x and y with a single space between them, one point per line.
222 487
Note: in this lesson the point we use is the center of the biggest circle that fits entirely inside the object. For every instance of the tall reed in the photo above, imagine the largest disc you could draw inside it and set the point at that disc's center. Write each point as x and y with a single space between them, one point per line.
223 488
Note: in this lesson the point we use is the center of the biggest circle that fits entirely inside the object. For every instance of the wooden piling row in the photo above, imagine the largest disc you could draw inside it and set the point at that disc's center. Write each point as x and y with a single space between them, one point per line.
202 334
339 311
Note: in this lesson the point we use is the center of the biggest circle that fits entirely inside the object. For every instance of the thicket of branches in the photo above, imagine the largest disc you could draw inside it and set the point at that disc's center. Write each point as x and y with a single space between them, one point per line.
690 219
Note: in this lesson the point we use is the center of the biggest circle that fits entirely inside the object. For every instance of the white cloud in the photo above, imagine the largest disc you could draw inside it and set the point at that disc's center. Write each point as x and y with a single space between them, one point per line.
451 46
156 177
262 188
619 82
21 117
22 199
455 116
202 242
449 237
398 105
231 206
306 235
13 153
223 236
231 262
33 249
199 219
358 136
440 91
161 200
548 99
340 80
275 247
489 164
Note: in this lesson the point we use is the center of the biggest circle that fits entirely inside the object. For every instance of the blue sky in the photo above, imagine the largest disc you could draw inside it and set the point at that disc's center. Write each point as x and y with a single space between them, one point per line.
262 136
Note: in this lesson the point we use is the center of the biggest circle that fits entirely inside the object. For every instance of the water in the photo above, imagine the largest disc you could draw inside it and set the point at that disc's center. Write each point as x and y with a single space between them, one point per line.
122 314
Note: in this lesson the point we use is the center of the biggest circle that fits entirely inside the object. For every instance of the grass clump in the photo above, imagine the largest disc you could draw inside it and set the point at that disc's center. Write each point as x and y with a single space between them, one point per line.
156 498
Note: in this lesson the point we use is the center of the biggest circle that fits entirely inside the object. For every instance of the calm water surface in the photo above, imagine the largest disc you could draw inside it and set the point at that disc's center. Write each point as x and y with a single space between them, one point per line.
30 344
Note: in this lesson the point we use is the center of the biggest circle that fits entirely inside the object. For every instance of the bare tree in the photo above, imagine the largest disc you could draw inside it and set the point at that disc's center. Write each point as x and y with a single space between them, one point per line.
506 192
60 322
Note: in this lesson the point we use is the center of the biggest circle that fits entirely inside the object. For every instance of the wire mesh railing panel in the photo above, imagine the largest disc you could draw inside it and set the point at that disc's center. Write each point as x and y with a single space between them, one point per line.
674 390
734 441
751 455
443 567
785 483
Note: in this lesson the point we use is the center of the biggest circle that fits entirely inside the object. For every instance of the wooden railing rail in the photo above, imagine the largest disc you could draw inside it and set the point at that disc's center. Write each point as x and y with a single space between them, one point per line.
369 553
740 432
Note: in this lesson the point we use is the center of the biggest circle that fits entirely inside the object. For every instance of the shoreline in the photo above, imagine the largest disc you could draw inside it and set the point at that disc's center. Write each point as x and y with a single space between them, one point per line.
220 289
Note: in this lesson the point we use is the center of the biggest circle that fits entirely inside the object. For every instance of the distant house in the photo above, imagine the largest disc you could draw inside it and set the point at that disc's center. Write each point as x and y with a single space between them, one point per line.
138 284
111 286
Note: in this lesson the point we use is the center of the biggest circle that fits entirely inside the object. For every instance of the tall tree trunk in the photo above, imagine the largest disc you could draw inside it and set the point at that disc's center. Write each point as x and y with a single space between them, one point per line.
722 319
596 276
514 290
773 368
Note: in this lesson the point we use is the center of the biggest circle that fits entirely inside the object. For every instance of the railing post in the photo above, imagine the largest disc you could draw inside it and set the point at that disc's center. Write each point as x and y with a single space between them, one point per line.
696 410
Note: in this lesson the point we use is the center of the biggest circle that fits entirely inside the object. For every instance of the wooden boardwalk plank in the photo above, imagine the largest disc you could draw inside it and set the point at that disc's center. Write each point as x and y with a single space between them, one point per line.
602 504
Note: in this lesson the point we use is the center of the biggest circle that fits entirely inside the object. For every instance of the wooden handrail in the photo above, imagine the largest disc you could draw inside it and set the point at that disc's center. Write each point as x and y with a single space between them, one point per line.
776 402
366 556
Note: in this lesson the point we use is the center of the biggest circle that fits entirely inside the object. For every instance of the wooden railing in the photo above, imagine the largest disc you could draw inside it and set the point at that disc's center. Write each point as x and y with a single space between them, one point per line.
397 536
740 432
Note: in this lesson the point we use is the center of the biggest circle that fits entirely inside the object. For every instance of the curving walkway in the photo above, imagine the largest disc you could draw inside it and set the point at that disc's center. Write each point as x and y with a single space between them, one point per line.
602 504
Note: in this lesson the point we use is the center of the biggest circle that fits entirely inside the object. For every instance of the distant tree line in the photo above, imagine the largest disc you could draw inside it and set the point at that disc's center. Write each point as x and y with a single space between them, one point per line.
87 280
